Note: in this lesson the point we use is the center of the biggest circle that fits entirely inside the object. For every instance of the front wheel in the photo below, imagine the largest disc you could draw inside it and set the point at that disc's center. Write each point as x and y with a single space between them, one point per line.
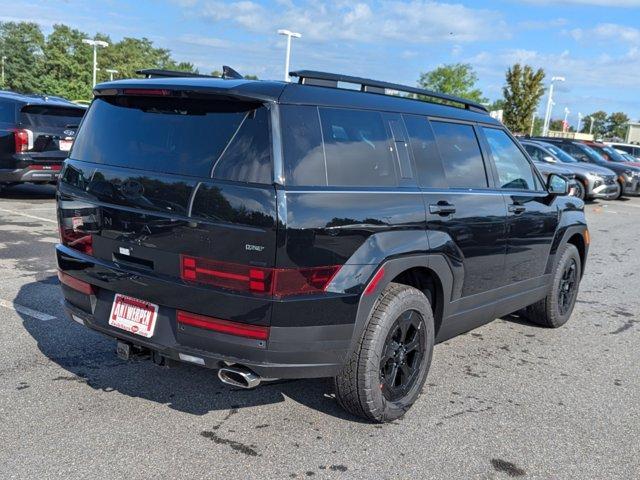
620 192
555 309
580 191
385 374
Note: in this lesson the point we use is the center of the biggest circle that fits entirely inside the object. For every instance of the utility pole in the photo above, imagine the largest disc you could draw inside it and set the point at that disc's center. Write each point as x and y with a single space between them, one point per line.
591 126
579 122
95 44
533 122
547 115
4 57
289 34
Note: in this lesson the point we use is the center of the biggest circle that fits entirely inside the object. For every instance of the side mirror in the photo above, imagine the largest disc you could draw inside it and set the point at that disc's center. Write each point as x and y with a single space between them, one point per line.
557 184
549 159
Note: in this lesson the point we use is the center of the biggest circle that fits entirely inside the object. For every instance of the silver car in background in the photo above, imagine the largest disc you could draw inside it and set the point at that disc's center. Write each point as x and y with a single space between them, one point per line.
593 181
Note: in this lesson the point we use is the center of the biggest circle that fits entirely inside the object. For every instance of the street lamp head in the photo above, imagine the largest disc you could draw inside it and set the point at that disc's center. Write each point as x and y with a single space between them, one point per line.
558 79
111 70
289 33
93 43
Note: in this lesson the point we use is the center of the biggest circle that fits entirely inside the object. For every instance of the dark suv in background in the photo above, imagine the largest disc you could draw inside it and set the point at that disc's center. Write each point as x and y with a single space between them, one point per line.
36 134
278 230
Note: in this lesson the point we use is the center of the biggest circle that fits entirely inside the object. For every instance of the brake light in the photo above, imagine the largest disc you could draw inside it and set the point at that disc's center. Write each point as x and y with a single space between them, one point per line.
157 92
79 285
23 139
257 332
81 241
277 282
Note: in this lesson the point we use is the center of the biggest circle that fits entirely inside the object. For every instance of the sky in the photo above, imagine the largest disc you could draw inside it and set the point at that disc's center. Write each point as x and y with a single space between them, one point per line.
594 44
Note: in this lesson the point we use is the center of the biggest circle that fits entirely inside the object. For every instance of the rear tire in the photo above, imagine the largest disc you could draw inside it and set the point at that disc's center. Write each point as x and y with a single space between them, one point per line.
619 196
555 309
384 375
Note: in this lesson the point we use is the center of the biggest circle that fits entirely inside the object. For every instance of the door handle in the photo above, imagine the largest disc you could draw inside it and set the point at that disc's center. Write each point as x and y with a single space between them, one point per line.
515 208
442 208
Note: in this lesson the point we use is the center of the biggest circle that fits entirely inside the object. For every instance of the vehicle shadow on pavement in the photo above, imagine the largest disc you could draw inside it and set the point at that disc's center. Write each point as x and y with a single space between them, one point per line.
90 358
28 192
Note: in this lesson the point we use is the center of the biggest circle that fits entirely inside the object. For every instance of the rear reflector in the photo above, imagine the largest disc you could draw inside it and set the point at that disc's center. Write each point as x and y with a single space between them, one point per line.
374 282
156 92
257 332
79 285
278 282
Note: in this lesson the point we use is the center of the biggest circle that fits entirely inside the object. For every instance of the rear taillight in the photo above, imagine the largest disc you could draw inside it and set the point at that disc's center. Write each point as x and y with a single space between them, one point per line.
23 139
81 241
52 168
257 332
79 285
154 92
277 282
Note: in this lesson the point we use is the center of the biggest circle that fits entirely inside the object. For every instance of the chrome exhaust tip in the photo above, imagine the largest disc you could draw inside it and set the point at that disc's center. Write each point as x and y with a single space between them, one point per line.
240 377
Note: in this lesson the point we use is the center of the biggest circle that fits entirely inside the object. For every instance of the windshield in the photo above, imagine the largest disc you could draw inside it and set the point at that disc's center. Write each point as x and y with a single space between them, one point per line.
614 156
561 155
592 154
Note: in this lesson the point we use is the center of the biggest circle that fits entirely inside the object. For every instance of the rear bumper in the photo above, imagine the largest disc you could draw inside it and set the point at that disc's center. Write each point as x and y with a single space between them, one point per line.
299 350
24 175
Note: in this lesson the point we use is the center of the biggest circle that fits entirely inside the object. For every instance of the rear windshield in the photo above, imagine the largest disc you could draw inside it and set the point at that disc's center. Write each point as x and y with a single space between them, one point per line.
35 116
194 137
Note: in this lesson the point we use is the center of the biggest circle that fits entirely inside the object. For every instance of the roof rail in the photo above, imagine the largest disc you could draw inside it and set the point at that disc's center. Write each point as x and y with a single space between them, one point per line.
325 79
227 72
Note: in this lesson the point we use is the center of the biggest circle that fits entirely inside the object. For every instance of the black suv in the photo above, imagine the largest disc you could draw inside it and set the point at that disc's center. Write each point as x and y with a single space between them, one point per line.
279 230
36 134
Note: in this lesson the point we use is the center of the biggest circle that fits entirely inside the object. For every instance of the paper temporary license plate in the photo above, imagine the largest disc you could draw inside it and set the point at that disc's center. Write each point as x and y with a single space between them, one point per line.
65 145
133 315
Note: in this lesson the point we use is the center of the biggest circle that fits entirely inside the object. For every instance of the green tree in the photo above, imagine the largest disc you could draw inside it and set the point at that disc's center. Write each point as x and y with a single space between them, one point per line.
522 93
22 43
67 64
496 105
457 79
617 125
599 123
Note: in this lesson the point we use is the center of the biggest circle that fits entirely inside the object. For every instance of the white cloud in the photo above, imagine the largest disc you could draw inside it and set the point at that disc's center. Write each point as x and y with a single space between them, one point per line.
413 21
609 33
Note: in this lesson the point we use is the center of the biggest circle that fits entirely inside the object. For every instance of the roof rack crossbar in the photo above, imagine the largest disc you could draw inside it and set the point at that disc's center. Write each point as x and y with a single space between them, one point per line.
311 77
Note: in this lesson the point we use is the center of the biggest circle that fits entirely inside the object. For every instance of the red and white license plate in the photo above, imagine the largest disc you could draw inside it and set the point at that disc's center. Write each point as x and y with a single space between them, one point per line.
133 315
65 145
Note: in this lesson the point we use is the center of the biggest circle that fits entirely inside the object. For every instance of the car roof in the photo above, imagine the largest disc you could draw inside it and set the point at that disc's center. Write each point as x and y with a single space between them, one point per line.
298 94
37 99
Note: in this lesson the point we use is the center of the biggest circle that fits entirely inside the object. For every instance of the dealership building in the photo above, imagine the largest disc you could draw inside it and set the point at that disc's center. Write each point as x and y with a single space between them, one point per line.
633 132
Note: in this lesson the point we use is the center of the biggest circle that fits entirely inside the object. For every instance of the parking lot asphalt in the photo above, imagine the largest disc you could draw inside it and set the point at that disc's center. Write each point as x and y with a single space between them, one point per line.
509 400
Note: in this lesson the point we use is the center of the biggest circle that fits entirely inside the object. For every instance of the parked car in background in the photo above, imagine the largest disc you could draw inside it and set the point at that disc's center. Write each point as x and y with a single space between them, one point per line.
36 134
594 181
321 232
612 155
628 156
547 169
628 176
630 148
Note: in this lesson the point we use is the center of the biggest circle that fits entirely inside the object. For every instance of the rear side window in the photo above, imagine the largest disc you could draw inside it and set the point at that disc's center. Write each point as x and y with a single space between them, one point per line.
430 170
337 148
356 147
7 112
302 146
37 116
178 136
514 170
461 156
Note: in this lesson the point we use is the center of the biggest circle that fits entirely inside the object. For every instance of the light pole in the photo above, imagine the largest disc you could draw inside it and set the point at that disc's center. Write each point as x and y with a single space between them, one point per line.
591 125
579 122
95 44
288 34
533 122
111 72
547 115
4 57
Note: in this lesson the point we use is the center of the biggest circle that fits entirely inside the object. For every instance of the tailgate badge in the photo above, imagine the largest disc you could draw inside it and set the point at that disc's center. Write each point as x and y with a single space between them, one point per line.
253 248
124 251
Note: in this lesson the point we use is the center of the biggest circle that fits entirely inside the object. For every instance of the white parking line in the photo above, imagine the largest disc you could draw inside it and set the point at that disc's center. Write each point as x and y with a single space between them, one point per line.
27 215
26 311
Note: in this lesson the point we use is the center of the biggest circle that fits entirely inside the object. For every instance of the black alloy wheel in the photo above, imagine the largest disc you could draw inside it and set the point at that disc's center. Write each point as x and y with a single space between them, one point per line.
567 287
402 355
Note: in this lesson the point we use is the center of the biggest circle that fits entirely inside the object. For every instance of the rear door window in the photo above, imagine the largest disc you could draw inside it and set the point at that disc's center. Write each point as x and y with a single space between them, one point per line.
357 148
461 155
45 116
178 136
513 168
